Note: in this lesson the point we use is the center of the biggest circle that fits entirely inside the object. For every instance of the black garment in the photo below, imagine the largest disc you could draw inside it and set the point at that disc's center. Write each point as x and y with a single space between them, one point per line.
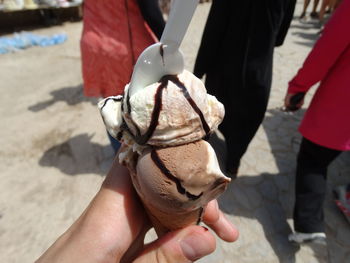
152 14
236 55
310 187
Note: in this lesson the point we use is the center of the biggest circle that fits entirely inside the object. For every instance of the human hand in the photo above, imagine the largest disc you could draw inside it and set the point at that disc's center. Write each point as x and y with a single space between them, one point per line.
114 225
294 101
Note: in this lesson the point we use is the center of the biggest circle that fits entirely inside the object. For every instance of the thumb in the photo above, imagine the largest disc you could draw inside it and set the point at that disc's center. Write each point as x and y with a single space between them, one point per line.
181 246
287 99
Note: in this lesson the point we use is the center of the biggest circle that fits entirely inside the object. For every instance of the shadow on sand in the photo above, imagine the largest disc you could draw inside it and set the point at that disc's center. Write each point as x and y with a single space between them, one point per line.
308 32
71 95
79 155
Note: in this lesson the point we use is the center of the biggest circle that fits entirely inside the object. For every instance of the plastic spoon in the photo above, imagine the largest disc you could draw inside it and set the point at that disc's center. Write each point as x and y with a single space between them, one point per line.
164 58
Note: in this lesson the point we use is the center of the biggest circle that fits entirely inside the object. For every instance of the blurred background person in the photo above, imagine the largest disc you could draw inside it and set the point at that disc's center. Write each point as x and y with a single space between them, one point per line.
236 55
114 35
326 125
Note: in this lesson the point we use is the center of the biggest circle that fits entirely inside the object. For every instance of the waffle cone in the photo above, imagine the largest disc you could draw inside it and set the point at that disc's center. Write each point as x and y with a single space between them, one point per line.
164 222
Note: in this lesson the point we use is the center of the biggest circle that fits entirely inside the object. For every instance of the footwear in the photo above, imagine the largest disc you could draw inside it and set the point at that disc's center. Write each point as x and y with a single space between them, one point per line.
49 3
12 5
302 15
62 3
342 199
29 4
75 2
301 238
314 15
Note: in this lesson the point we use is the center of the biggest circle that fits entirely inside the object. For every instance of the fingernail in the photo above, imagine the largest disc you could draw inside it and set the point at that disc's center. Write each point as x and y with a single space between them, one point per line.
195 247
231 233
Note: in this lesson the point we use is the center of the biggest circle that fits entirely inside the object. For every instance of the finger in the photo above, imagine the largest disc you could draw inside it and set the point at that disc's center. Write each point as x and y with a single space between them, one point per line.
182 246
135 247
116 212
217 221
287 100
300 104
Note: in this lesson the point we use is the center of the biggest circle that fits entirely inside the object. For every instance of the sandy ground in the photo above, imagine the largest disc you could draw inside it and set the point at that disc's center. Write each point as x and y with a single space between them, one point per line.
54 155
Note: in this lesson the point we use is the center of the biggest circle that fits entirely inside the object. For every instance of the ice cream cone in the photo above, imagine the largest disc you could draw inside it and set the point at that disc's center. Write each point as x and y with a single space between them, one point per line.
174 171
164 222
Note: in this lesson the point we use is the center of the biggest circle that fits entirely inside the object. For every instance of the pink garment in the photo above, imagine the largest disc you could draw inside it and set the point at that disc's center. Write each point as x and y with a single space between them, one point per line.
327 120
114 35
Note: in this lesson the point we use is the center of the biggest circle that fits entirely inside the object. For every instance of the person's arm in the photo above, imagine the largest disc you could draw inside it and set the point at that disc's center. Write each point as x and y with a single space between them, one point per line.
287 19
152 14
334 40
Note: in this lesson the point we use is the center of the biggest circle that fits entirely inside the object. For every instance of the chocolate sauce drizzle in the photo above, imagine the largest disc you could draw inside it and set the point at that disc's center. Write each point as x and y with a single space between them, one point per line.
128 105
217 183
128 102
142 139
187 95
118 98
169 175
200 215
161 51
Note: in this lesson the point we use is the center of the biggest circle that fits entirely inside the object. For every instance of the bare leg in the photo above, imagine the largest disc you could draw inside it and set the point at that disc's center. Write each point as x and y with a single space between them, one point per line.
337 2
314 7
324 5
306 4
314 13
333 5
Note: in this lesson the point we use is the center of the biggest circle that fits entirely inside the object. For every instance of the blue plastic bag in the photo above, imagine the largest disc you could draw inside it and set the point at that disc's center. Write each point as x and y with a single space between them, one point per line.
24 40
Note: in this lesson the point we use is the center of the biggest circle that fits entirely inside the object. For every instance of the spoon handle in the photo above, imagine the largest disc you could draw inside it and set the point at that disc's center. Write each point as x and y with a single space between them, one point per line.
179 19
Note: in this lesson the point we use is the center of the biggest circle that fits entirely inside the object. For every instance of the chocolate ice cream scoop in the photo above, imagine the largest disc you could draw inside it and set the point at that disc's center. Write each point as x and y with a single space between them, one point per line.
176 183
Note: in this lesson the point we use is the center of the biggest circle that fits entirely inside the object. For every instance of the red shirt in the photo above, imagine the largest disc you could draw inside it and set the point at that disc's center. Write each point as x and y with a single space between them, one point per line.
327 120
114 35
